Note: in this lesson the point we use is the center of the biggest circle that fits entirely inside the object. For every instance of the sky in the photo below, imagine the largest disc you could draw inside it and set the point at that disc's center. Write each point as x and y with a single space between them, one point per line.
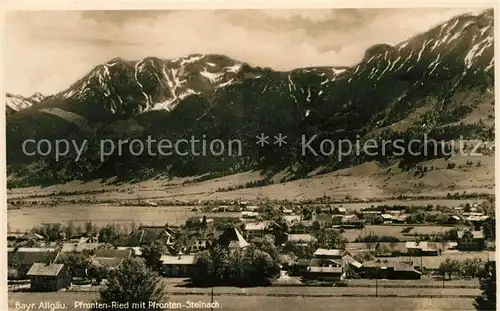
46 51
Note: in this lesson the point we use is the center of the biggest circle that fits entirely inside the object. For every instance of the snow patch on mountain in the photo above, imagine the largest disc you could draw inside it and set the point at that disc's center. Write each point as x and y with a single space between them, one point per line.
213 77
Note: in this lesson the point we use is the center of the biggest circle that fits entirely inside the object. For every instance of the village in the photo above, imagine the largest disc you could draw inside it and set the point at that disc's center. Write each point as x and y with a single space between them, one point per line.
285 244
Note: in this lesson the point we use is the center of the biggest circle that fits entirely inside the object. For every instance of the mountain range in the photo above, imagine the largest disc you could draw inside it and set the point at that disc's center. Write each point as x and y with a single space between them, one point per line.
438 83
17 102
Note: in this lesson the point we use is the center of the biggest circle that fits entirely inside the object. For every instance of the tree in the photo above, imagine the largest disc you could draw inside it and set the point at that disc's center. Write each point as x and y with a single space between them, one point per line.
488 285
268 247
133 226
471 268
77 264
52 232
220 262
329 239
299 250
203 269
489 228
393 245
258 267
315 226
248 267
97 271
108 234
133 283
70 229
90 228
152 254
317 209
280 229
449 267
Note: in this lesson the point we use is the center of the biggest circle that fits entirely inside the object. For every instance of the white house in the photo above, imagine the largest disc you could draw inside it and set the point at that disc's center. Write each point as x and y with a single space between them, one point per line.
256 229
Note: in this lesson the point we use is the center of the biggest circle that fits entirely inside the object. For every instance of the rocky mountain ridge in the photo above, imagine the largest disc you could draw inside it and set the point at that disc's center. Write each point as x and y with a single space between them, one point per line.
438 83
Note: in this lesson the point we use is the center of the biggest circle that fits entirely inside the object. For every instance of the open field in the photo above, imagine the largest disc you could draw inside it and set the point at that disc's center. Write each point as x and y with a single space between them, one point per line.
273 303
331 291
101 214
424 282
28 216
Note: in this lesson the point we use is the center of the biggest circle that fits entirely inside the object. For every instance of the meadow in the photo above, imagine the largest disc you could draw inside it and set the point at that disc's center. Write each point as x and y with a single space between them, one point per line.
244 303
26 217
100 214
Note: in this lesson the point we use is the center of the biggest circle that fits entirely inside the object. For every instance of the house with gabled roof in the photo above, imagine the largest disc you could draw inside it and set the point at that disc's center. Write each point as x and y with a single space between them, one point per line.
384 269
469 240
327 265
177 266
48 277
21 259
147 235
328 253
110 258
325 273
80 247
299 238
292 219
257 229
423 248
136 251
233 239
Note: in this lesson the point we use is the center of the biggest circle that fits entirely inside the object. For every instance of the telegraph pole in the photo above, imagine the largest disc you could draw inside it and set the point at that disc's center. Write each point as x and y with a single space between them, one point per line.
212 299
212 289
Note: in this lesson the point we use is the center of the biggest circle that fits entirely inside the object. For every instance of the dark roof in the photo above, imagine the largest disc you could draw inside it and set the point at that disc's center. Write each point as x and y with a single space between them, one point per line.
80 247
43 269
353 220
24 236
303 262
107 262
304 223
317 262
148 235
324 217
30 257
234 238
112 253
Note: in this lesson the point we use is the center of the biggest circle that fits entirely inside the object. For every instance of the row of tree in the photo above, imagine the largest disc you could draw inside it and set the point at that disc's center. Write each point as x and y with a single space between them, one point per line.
468 268
249 266
109 233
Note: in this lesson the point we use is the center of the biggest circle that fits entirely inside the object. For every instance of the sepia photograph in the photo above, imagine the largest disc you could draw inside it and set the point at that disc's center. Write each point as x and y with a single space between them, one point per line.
250 159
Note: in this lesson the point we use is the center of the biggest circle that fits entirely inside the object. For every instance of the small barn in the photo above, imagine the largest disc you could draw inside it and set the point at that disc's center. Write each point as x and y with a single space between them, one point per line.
177 266
48 277
21 259
325 273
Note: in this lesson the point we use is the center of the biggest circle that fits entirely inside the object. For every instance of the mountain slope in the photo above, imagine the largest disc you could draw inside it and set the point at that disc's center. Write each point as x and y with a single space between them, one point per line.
438 84
17 102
